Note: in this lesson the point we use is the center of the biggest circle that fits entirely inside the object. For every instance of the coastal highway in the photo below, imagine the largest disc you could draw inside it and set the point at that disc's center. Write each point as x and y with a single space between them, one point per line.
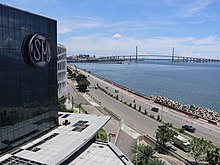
141 123
203 129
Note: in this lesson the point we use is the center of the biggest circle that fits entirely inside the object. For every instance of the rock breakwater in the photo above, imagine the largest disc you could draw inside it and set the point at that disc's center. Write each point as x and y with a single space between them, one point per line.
197 111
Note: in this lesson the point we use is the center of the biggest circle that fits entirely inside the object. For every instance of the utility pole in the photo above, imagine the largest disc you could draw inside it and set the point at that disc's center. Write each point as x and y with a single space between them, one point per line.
122 95
173 55
136 53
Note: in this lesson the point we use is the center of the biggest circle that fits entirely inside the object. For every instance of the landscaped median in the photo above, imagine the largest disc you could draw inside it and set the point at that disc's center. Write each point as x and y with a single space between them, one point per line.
112 113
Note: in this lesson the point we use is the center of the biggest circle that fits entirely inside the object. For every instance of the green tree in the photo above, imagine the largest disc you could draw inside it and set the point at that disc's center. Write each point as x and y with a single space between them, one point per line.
139 108
213 156
116 97
156 162
181 130
203 150
164 134
83 85
198 149
69 71
134 106
80 77
73 76
142 154
158 117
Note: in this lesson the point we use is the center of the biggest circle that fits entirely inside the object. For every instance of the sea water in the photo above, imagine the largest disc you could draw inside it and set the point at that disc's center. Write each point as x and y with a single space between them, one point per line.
188 83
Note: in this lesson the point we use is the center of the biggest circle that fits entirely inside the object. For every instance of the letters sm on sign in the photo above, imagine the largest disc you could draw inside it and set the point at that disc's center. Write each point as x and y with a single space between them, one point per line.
37 50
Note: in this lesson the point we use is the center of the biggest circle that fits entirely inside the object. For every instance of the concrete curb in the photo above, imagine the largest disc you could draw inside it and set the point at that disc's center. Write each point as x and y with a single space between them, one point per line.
116 138
112 113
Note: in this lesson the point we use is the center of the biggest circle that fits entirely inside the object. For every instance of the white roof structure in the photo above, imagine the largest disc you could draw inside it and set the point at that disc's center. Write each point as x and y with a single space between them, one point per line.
64 142
183 139
100 153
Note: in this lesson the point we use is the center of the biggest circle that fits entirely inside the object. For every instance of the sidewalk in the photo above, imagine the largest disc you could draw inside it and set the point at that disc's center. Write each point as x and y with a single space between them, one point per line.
111 127
68 104
92 107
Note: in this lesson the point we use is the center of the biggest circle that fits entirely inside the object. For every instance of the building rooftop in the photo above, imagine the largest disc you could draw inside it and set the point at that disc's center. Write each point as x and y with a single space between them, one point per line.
72 139
100 153
14 8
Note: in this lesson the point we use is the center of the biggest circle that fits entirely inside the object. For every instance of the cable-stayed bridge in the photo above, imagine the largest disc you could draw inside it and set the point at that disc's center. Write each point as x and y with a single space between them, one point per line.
147 57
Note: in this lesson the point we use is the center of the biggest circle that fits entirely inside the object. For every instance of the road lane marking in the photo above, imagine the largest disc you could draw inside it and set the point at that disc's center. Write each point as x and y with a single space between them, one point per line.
131 132
90 100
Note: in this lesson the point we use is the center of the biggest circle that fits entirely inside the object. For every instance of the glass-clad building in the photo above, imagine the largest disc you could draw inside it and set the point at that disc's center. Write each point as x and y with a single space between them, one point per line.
61 70
28 76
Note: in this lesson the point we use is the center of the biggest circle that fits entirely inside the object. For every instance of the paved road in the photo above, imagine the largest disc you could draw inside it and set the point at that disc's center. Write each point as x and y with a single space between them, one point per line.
72 93
142 124
123 143
204 130
126 149
111 126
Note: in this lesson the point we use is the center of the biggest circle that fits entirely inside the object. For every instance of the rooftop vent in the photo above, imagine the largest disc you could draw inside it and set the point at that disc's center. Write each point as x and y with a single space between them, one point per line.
65 116
35 147
80 126
19 160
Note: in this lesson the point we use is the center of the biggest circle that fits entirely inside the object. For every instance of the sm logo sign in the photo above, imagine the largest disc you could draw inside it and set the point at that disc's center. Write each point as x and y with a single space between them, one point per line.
37 50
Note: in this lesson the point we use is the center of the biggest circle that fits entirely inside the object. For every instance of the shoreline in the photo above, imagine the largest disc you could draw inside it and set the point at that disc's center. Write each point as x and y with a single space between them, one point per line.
197 112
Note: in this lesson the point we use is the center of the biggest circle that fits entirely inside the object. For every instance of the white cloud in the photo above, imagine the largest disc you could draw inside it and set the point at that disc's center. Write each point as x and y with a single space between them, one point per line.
64 30
186 46
117 36
191 9
79 23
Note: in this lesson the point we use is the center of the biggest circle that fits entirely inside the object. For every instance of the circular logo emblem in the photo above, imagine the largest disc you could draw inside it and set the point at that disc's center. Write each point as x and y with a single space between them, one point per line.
39 50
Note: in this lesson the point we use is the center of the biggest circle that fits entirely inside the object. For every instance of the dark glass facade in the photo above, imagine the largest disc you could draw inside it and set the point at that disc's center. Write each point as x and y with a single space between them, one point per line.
28 94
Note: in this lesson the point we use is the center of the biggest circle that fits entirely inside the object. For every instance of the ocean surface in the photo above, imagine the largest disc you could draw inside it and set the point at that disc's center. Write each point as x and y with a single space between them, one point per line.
188 83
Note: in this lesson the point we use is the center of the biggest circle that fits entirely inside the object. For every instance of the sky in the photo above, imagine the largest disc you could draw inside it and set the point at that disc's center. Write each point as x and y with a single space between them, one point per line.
116 27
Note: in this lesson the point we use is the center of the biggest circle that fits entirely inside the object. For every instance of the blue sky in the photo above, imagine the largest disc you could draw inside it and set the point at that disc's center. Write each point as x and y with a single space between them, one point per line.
115 27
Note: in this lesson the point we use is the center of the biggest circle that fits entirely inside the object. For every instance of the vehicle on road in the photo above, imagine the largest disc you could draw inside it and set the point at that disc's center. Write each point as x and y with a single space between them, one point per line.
189 128
181 142
155 109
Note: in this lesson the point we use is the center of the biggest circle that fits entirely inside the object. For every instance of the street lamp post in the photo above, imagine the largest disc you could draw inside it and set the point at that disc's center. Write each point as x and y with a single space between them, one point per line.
72 102
80 107
162 113
122 95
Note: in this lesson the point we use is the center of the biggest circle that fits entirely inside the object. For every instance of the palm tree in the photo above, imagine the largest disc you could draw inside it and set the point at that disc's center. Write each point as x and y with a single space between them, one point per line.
156 162
142 154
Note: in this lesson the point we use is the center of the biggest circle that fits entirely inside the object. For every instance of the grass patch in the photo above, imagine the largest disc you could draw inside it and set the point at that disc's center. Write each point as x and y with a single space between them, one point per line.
74 110
102 135
82 110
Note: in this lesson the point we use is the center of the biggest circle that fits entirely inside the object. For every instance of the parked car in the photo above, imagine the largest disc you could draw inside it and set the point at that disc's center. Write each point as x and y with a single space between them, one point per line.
155 109
189 128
